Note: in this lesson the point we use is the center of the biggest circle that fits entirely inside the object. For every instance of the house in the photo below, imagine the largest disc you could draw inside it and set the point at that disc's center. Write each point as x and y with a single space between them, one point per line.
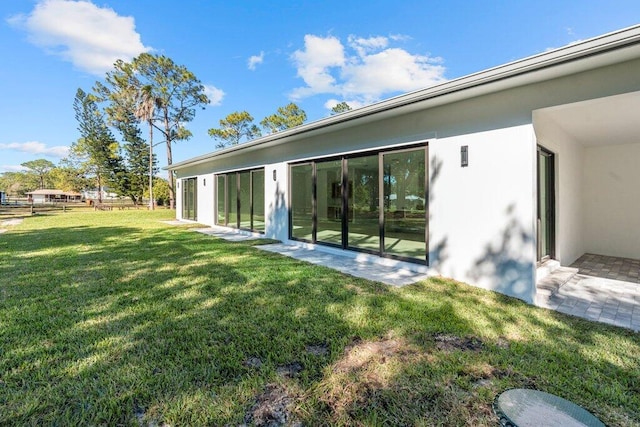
103 193
51 196
490 179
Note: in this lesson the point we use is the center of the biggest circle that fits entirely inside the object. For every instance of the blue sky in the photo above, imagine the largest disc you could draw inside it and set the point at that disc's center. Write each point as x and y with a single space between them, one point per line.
258 55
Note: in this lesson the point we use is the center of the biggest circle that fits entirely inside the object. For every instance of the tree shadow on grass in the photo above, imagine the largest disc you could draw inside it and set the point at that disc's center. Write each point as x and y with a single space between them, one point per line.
166 325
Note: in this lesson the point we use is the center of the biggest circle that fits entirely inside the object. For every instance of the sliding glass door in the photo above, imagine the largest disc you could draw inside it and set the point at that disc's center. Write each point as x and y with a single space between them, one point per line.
372 203
190 199
240 200
404 199
257 200
364 203
301 202
221 199
329 202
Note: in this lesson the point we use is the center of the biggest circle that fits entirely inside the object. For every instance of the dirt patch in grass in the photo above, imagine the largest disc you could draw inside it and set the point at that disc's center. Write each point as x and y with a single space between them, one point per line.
317 349
290 370
364 354
446 342
272 408
365 376
253 362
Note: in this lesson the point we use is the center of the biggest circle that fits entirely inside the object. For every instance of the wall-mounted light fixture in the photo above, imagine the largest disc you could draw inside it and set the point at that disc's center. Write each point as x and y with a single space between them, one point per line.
464 156
204 182
178 184
274 175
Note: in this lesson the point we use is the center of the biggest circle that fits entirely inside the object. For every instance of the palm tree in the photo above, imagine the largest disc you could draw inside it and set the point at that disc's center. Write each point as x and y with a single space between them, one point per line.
145 108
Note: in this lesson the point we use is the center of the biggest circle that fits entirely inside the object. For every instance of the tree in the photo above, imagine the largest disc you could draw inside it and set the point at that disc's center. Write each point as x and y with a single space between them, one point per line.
160 191
176 92
96 149
140 162
145 109
341 107
233 128
285 118
41 167
18 183
68 177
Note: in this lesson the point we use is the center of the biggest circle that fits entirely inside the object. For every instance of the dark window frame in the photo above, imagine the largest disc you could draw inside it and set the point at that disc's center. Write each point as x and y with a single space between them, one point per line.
345 189
237 220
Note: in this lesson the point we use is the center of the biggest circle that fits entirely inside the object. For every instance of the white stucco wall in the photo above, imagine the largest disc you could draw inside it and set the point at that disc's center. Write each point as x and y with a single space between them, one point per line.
206 185
569 187
481 216
276 201
179 199
612 200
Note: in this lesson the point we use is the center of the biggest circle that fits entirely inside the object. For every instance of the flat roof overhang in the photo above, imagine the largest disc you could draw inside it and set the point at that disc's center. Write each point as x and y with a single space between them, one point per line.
608 49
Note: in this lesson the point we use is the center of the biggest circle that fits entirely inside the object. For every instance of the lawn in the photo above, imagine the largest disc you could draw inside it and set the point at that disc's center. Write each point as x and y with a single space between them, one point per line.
115 318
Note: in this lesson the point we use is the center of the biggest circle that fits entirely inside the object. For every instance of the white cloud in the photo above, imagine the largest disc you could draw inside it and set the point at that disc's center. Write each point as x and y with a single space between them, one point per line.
364 70
364 46
214 94
400 37
34 147
92 38
255 60
314 65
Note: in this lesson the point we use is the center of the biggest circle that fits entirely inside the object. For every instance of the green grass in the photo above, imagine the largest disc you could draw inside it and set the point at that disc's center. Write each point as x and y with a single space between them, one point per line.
114 318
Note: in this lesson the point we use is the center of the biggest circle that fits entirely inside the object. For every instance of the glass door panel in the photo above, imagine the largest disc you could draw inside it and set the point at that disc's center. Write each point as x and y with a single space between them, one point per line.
189 199
221 198
329 202
404 204
245 200
232 200
302 201
257 200
546 205
363 203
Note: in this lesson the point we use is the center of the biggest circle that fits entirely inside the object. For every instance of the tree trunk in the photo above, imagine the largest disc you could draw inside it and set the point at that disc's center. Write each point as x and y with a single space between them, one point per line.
99 187
151 204
172 195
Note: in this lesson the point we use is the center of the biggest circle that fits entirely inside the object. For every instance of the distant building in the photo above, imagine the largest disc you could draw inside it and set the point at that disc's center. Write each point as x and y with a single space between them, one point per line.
51 196
95 194
3 198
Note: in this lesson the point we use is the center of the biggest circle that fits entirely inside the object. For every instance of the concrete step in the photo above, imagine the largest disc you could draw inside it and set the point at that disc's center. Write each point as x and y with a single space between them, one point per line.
550 284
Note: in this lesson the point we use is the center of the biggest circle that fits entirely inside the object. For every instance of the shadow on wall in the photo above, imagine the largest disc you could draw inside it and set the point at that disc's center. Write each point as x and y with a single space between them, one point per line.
278 221
506 261
437 250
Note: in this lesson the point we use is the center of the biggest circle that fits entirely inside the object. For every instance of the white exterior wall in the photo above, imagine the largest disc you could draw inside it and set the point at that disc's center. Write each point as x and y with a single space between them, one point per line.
179 199
276 200
569 158
612 200
206 186
481 216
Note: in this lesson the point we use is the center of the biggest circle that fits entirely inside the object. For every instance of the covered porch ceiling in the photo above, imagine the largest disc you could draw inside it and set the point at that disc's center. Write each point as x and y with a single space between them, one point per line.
611 120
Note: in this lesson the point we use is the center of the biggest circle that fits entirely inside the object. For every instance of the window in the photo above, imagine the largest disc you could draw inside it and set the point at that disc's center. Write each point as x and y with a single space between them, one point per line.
190 199
374 203
240 200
